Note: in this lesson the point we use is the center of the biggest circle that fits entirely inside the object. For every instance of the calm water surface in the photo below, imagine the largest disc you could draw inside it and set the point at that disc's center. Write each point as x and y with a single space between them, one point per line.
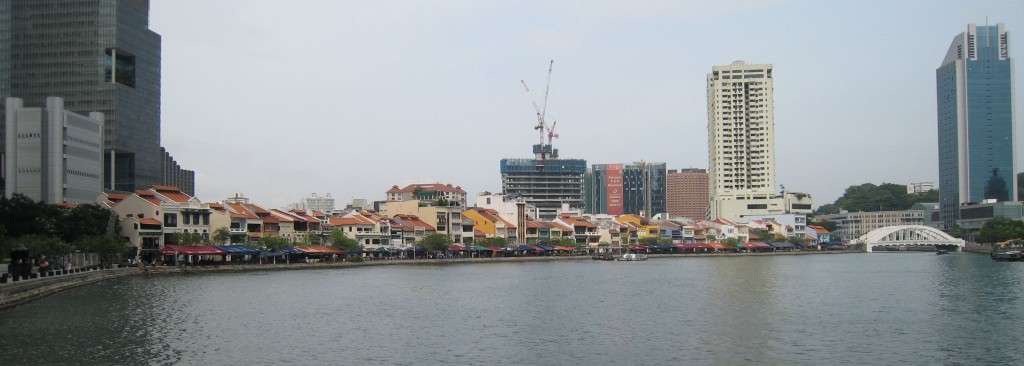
879 309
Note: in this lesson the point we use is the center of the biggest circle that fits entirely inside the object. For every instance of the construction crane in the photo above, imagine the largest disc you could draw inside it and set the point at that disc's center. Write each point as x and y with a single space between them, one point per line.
542 109
551 132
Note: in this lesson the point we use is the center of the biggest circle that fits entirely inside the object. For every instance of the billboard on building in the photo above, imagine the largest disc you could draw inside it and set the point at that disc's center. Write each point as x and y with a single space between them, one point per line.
613 185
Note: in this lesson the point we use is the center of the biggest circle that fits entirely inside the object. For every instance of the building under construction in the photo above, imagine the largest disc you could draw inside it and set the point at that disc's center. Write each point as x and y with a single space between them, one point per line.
546 182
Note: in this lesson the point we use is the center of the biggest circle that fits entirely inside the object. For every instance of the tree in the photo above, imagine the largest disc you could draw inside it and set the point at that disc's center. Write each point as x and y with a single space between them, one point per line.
436 242
38 244
273 243
85 220
797 240
649 240
222 235
731 241
1000 229
495 242
340 241
711 238
827 209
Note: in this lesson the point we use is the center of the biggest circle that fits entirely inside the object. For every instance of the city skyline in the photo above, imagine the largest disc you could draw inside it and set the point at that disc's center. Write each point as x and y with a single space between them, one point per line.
407 88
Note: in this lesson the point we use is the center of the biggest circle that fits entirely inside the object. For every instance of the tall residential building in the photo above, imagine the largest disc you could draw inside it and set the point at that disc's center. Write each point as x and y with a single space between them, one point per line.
974 90
617 189
97 56
52 155
741 145
687 193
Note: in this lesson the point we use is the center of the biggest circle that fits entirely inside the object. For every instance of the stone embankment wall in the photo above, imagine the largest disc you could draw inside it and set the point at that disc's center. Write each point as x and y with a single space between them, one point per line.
15 293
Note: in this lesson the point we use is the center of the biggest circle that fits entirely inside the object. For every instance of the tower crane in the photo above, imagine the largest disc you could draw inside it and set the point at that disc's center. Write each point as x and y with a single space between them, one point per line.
542 109
551 132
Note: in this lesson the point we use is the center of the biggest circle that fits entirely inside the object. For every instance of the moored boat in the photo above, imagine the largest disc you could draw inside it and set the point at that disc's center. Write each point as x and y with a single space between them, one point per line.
603 257
632 257
1008 256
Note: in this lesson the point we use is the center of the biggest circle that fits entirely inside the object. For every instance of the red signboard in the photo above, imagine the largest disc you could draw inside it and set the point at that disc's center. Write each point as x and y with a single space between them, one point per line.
613 185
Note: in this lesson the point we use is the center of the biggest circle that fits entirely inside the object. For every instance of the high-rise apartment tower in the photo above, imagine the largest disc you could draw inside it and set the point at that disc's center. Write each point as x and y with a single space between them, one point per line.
741 142
975 121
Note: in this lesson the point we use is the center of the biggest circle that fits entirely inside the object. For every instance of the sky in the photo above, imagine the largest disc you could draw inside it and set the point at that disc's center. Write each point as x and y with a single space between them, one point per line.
280 100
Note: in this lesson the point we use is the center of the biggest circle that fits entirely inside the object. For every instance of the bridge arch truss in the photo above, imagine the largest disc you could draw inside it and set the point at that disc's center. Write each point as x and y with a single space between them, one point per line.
907 235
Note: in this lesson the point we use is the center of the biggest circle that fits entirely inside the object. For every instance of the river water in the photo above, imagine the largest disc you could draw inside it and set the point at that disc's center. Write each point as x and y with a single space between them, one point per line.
877 308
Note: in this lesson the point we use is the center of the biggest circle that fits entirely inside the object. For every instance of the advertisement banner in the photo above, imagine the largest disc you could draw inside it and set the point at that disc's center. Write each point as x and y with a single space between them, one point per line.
613 185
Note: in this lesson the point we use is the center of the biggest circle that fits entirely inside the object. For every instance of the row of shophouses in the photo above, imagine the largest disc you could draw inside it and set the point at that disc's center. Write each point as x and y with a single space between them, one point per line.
157 216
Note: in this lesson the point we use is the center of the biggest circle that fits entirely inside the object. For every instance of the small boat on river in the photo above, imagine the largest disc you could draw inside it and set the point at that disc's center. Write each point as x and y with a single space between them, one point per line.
941 252
1008 256
603 257
632 257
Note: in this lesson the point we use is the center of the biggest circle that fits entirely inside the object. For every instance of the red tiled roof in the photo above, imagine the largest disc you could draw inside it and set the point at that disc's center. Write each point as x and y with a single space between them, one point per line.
242 210
148 196
172 193
819 229
149 221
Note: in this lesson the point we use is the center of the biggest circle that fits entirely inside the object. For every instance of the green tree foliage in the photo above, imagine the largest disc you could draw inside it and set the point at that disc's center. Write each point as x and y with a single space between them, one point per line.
340 241
273 243
49 229
436 242
869 197
1000 229
566 242
827 209
797 240
186 239
650 240
731 241
495 242
104 245
21 216
222 235
86 221
38 244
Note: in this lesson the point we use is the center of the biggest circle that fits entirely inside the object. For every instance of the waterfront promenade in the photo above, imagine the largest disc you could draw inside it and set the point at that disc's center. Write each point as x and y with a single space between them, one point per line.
20 292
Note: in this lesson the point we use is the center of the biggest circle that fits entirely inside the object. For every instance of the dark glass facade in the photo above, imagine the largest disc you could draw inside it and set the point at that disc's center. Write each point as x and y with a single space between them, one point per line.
975 121
98 56
644 187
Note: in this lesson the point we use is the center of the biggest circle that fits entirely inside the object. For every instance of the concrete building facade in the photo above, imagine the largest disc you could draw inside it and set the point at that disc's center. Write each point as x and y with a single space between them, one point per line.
53 155
974 97
741 142
686 193
550 184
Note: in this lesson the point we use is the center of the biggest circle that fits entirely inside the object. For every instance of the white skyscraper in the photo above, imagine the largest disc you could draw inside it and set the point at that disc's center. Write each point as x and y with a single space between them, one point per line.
741 144
741 129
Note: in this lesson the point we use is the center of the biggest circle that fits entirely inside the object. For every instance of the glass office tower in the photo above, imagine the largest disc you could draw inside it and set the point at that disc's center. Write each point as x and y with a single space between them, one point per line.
975 121
98 56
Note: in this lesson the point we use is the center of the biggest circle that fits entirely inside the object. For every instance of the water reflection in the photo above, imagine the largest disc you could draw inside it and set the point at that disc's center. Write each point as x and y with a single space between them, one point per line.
826 309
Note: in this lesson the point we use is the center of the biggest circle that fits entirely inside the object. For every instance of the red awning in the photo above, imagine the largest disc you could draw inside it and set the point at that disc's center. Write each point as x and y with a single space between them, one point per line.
457 248
190 250
755 244
694 246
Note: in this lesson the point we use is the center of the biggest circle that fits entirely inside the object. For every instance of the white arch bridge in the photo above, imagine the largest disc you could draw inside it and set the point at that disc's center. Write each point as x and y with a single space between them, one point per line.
908 235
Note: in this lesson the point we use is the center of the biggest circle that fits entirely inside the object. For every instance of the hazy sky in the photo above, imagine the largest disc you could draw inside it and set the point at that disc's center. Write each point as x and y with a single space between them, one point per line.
277 100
